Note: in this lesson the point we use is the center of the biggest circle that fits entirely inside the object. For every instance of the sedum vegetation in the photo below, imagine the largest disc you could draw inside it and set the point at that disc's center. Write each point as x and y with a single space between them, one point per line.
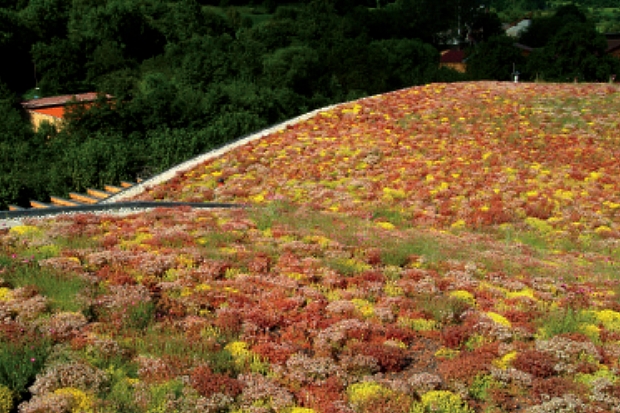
454 248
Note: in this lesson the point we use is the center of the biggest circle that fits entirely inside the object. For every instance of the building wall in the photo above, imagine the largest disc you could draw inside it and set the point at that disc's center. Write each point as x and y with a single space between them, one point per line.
459 67
37 118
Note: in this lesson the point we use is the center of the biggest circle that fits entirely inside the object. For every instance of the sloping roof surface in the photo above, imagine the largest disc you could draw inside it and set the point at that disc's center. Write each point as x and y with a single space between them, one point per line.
524 47
59 100
612 44
452 56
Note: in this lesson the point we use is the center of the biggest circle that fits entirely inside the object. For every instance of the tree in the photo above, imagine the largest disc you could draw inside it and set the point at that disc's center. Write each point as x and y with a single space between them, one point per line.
484 26
577 51
406 62
47 18
60 67
201 61
120 21
21 154
543 29
17 71
293 67
495 59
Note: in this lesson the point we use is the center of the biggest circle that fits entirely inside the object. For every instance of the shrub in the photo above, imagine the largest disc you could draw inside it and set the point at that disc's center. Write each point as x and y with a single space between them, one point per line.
535 362
79 375
208 383
389 358
545 389
455 336
468 364
324 397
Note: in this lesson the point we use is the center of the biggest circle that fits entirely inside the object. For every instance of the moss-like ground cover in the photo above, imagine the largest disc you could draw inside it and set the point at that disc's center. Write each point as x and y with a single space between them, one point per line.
446 248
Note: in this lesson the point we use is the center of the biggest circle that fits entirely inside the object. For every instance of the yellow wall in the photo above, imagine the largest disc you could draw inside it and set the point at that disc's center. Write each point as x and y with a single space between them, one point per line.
37 118
459 67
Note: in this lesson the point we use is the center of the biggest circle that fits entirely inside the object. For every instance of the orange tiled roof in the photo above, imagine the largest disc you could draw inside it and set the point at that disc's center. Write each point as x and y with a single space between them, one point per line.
55 111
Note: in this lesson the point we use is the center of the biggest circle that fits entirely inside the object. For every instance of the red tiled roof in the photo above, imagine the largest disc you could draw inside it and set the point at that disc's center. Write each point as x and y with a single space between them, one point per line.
452 56
523 47
60 100
612 44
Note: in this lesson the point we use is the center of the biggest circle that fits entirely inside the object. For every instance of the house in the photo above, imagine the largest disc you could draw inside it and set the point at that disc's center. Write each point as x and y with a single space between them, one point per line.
613 44
52 109
453 59
524 49
515 30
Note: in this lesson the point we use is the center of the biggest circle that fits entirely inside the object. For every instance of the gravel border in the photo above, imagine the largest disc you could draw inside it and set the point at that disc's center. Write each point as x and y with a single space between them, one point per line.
10 219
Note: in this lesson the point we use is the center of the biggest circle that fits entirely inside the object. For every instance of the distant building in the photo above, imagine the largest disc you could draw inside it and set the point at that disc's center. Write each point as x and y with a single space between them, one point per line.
613 44
453 59
52 109
517 29
525 50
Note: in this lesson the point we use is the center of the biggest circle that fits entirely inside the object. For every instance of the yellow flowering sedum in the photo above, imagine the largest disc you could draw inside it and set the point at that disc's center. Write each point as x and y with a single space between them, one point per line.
499 319
441 401
609 318
238 349
394 193
526 292
505 361
446 353
419 324
589 379
392 290
6 399
385 225
242 356
464 296
49 250
301 410
360 393
539 225
25 230
364 307
80 401
459 224
5 294
591 331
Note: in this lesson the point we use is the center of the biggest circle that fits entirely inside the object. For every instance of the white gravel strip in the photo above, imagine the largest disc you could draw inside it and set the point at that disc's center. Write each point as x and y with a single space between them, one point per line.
14 222
10 223
192 163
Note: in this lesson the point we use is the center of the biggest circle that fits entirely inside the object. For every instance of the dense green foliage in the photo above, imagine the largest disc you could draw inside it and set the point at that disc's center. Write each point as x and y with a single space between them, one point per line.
189 75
